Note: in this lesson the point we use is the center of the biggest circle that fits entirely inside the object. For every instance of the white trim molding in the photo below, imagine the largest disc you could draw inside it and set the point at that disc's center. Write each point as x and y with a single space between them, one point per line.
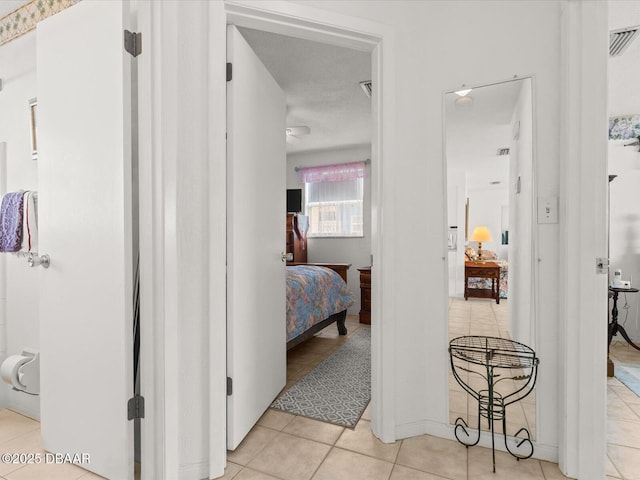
177 131
183 119
336 29
583 184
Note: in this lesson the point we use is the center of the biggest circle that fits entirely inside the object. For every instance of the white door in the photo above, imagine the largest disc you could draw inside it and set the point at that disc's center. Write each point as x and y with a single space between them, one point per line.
256 159
84 180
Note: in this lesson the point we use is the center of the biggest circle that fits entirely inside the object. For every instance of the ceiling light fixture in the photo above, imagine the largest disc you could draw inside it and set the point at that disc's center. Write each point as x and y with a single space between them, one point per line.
463 93
293 134
463 101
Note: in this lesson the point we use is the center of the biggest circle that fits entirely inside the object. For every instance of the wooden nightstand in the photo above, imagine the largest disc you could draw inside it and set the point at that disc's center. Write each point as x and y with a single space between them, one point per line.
489 270
365 295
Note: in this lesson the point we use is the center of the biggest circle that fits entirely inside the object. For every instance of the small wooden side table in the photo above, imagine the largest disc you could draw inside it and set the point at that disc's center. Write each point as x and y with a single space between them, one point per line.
365 295
482 270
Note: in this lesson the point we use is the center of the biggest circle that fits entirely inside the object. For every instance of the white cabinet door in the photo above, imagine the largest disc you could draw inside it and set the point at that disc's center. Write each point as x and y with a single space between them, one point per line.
84 181
256 156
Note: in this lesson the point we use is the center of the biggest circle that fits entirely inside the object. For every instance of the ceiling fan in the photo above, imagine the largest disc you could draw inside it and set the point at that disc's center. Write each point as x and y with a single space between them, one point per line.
294 133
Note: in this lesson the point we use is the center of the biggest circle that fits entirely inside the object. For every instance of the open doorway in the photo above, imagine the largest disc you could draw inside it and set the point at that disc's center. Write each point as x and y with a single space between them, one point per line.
623 394
323 94
377 40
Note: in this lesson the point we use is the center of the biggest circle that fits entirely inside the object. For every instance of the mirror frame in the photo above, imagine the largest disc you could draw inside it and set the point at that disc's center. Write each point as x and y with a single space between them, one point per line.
534 265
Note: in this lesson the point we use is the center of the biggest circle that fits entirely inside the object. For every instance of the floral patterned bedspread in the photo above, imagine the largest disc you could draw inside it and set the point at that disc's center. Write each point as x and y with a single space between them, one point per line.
313 294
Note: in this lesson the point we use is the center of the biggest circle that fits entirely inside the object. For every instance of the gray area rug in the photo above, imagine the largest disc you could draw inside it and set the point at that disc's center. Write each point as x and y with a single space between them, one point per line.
337 390
630 376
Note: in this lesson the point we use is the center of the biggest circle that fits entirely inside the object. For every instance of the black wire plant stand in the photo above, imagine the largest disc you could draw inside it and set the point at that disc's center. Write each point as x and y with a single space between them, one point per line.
503 359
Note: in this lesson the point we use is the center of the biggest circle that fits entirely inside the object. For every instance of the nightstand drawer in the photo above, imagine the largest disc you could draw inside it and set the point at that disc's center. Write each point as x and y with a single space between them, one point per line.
483 272
488 270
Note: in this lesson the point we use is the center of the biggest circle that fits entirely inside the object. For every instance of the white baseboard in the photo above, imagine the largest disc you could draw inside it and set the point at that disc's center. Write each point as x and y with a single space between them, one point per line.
541 451
24 404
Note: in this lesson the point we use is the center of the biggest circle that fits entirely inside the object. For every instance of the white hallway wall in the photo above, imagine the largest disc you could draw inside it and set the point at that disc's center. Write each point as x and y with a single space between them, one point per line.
423 72
355 251
485 208
18 74
415 303
477 54
624 99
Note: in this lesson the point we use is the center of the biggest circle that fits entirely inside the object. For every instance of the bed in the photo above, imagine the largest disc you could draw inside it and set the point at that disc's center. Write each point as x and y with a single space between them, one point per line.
317 296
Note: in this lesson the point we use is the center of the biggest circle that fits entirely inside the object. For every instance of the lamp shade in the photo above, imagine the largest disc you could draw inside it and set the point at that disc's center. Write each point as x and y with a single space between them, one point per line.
481 234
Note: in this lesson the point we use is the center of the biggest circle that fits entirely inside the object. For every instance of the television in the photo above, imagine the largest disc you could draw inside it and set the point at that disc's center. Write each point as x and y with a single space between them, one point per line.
294 200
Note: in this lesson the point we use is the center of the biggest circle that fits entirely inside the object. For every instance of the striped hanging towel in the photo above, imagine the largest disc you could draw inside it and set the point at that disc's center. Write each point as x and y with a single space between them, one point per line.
30 222
11 222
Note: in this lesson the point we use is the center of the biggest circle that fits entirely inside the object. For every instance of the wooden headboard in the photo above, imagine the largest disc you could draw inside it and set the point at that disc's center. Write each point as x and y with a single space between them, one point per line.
340 268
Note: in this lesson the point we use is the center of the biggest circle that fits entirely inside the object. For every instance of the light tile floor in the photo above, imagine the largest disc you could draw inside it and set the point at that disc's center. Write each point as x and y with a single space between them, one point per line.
623 417
20 434
288 447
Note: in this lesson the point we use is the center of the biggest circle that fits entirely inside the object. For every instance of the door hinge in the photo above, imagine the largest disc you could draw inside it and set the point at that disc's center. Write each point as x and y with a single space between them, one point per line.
133 42
229 71
135 407
229 386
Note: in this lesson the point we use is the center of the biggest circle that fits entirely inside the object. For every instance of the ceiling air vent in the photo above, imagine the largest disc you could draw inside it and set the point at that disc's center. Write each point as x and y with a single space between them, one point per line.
366 87
503 151
619 40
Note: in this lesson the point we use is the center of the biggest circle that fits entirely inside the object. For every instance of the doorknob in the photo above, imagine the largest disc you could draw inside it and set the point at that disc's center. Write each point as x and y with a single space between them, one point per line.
287 257
34 260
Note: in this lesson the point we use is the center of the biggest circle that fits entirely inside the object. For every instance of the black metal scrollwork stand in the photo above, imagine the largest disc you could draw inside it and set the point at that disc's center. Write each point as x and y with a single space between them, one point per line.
502 359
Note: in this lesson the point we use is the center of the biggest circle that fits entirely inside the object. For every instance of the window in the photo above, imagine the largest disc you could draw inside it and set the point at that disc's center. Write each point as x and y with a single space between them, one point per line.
334 199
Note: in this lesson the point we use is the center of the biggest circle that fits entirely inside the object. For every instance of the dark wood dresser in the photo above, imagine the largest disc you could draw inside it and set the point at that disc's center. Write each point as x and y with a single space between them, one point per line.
294 244
365 295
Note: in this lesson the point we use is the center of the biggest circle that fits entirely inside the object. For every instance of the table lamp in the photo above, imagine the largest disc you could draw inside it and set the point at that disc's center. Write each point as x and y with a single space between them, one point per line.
481 234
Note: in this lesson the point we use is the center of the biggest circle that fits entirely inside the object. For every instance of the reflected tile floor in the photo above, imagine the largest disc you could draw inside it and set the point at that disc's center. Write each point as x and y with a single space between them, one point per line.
479 316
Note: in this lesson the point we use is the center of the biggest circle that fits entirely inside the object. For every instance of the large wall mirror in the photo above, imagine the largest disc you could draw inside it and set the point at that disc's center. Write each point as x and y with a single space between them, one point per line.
490 203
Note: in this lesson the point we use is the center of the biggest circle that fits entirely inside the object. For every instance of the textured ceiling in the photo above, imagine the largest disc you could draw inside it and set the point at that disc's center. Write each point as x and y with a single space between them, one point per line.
322 87
321 83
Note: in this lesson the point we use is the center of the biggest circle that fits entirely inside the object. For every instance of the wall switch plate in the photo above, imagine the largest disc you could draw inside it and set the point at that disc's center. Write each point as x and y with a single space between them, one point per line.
548 209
